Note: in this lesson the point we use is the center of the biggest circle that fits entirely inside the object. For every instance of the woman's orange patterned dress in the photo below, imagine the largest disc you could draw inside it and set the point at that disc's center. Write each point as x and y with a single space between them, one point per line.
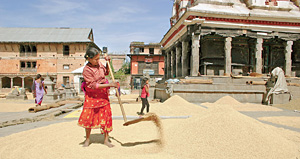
96 111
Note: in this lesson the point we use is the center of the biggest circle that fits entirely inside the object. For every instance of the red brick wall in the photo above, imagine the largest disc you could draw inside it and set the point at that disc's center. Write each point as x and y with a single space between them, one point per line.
9 66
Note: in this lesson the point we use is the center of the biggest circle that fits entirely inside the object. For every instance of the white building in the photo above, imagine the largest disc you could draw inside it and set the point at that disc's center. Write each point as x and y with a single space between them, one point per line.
219 37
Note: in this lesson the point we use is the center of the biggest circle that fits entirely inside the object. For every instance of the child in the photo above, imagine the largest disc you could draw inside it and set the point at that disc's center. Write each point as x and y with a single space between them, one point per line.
144 95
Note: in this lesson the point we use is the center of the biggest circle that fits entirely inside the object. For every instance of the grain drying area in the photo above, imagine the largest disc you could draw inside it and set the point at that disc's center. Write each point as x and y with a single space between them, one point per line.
212 130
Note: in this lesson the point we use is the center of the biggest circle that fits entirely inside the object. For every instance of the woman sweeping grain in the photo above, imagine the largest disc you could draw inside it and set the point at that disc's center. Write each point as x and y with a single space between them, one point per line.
96 111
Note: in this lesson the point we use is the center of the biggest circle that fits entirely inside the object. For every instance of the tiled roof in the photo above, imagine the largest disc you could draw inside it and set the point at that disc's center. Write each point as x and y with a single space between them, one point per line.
56 35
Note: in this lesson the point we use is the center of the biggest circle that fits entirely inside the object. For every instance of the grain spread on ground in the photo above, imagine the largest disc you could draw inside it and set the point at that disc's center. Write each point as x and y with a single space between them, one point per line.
292 105
8 105
283 120
216 132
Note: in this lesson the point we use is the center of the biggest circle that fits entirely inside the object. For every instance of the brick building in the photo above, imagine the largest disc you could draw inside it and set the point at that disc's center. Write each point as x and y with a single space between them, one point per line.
26 52
118 60
145 59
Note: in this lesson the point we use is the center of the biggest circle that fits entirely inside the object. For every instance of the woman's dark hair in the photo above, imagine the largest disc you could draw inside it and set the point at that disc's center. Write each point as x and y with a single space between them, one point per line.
144 82
91 52
38 76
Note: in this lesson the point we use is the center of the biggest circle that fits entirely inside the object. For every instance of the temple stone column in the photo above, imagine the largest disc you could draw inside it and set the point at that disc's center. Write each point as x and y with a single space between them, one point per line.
184 59
11 82
0 82
227 49
195 55
168 66
288 58
173 64
23 82
258 55
178 61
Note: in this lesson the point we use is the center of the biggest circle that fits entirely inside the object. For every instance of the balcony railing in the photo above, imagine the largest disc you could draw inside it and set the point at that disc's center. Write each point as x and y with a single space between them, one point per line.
27 69
28 54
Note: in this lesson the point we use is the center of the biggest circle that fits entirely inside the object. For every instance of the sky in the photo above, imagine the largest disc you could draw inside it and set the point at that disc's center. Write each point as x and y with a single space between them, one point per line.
115 23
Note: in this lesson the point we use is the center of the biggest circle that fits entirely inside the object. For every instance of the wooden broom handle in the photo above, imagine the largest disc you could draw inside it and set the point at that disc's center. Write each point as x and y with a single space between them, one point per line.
117 91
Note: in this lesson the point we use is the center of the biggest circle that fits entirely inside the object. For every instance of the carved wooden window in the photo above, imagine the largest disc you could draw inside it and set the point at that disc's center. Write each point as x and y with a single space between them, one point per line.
151 51
27 50
66 50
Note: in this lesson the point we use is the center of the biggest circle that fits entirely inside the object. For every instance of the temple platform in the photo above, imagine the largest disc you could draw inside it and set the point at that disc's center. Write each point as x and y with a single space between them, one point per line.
221 86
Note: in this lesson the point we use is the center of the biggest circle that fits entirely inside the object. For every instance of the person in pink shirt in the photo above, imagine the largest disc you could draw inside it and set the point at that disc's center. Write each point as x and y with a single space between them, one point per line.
145 93
96 111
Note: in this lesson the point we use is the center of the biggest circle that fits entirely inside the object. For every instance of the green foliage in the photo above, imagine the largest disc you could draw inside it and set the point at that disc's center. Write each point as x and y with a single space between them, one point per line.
111 66
123 72
125 68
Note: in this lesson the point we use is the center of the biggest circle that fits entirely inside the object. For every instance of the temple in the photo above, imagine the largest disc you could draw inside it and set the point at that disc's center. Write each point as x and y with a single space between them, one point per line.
218 48
223 37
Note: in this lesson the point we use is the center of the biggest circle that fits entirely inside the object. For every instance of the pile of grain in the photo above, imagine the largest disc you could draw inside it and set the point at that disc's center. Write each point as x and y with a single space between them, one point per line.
226 133
174 106
177 106
228 101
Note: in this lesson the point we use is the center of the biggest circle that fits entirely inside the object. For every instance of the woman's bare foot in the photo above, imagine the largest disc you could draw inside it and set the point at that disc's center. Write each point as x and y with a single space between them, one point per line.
108 144
86 143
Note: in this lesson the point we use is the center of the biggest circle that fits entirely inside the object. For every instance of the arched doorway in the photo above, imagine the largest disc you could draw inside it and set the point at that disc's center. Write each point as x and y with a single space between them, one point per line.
6 82
17 81
28 81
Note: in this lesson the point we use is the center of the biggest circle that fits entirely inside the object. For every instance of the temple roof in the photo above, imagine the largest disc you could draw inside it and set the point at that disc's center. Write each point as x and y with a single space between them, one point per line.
290 11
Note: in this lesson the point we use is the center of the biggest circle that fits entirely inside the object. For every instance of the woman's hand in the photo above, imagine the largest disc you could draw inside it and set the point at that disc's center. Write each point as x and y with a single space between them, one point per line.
114 84
107 58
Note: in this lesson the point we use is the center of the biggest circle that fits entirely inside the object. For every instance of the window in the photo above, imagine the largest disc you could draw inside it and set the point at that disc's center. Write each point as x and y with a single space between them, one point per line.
33 49
148 65
33 64
65 80
22 48
136 51
66 67
23 65
27 50
66 50
28 66
141 49
151 51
